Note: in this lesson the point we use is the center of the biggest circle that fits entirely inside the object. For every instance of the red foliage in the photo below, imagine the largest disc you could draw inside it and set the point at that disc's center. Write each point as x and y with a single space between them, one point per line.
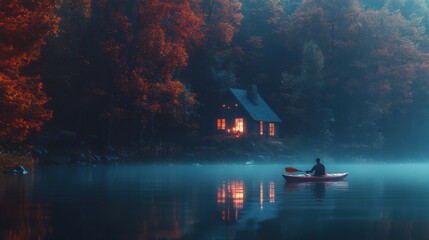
144 48
223 19
24 26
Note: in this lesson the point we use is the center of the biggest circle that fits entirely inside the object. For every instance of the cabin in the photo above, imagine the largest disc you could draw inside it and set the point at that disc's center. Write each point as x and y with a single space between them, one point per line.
244 112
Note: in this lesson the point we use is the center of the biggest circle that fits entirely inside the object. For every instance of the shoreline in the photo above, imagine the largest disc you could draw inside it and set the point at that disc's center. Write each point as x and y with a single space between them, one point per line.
248 152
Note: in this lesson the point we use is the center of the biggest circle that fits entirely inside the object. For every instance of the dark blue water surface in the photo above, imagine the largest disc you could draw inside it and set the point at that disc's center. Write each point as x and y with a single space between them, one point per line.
376 201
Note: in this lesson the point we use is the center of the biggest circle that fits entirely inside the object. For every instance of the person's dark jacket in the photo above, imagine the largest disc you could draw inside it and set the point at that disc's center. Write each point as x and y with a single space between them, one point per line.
318 169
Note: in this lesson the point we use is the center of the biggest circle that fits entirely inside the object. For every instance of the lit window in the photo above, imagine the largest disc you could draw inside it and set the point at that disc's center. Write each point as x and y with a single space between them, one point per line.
271 129
236 105
223 105
221 124
261 128
239 125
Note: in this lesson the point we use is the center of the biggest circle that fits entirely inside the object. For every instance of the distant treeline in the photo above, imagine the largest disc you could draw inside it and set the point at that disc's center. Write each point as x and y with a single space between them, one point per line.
340 73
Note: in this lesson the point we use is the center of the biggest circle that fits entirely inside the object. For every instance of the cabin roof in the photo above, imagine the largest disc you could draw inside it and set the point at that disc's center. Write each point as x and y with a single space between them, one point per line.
259 112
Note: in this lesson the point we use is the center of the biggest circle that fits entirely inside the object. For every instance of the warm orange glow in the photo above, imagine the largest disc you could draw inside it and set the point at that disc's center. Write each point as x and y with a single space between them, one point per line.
231 195
271 129
237 192
221 194
272 192
261 195
221 124
26 220
239 125
261 128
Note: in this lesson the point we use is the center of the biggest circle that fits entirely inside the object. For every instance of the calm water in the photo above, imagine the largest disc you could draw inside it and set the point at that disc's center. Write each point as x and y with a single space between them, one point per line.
214 202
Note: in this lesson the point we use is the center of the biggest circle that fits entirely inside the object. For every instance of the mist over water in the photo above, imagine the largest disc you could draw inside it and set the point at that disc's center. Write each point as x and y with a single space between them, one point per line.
215 201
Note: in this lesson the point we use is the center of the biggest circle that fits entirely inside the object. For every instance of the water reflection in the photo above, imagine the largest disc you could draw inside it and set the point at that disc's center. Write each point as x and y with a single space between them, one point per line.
230 196
261 195
20 217
317 188
271 196
140 202
272 192
23 220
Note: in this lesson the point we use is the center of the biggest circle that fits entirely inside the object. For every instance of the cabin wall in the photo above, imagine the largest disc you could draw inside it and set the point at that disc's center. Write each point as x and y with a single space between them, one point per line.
266 132
230 109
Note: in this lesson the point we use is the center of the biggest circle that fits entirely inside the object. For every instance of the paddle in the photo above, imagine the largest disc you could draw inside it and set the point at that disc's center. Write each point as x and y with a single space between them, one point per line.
292 170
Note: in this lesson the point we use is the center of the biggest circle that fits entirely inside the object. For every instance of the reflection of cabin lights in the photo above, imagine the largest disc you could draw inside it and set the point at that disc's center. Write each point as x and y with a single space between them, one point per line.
234 190
272 192
237 193
221 194
231 191
261 195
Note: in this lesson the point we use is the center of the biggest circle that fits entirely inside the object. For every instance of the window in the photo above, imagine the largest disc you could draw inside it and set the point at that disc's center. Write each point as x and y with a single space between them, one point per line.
271 129
239 125
261 128
221 124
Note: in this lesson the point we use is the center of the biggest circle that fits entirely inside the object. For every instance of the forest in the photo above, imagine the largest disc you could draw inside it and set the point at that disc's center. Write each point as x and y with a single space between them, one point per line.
339 73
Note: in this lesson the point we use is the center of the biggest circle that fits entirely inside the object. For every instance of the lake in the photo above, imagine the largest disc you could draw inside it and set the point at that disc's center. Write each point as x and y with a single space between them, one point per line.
214 201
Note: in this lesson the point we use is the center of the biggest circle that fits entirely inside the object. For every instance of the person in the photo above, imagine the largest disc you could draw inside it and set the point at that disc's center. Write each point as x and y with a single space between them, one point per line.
318 169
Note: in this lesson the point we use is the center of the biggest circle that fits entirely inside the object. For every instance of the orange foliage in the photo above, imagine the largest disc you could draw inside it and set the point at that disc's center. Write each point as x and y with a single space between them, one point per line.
223 19
145 47
24 26
21 105
83 6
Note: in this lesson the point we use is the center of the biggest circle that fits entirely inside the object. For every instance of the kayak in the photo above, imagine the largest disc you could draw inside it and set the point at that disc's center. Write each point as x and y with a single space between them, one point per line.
328 177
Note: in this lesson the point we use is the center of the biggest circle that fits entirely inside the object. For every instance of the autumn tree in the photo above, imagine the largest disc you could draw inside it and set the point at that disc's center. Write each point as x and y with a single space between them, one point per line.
24 27
141 46
390 61
371 60
212 66
65 69
222 18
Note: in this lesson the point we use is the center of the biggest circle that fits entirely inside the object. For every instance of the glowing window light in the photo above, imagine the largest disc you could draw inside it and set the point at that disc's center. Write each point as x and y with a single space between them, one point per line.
239 125
261 128
271 129
221 124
